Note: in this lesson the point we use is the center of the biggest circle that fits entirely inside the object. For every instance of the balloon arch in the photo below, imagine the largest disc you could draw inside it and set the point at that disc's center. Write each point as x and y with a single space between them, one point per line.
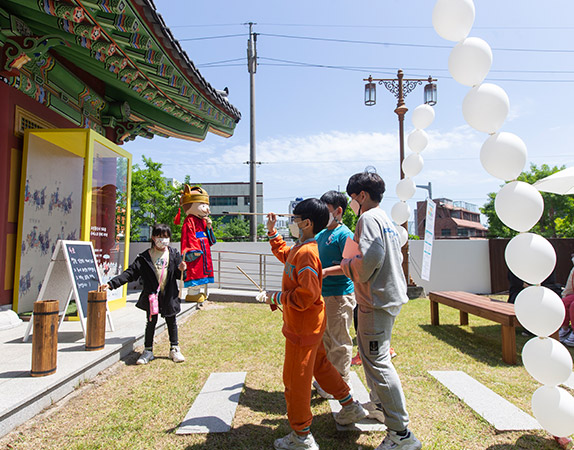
519 206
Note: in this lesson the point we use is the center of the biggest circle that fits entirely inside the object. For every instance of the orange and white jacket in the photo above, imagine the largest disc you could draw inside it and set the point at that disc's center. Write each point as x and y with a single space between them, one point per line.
300 297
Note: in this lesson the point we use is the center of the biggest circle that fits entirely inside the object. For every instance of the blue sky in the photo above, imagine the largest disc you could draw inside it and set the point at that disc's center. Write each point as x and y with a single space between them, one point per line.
312 128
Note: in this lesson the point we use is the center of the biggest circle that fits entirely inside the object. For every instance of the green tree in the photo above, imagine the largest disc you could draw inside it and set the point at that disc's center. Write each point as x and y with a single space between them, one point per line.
558 215
153 200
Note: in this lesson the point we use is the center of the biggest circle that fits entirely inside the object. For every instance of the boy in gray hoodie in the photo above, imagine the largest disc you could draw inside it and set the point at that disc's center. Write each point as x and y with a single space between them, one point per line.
380 291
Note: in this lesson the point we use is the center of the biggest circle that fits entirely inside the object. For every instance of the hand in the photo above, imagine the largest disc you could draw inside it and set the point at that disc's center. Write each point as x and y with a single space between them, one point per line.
261 297
103 287
208 222
182 266
271 222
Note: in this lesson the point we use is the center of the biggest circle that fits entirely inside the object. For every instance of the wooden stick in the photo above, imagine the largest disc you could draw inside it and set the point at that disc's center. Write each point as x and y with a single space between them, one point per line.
250 279
181 285
253 214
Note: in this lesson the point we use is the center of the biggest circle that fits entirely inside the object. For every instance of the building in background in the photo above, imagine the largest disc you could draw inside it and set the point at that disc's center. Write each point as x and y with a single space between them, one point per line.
232 197
453 220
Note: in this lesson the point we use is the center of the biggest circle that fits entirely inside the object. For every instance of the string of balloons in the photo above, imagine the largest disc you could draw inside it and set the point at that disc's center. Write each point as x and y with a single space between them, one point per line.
519 206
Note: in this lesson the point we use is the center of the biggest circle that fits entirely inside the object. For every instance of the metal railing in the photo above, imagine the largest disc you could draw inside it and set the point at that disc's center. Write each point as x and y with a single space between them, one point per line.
263 268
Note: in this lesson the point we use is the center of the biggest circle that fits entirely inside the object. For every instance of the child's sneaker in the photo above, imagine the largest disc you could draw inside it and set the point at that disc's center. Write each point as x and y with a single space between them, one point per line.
356 361
295 442
351 413
395 442
175 355
563 333
374 412
322 392
145 357
569 341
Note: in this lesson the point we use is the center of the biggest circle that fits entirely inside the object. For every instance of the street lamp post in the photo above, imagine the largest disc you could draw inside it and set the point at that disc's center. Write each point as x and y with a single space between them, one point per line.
400 87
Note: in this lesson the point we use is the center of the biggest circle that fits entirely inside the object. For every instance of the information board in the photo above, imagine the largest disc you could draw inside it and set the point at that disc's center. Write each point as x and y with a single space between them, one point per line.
84 270
72 273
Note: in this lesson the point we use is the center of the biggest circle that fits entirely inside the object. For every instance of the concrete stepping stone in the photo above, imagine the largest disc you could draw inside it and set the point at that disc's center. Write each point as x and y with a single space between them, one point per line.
497 411
214 408
361 394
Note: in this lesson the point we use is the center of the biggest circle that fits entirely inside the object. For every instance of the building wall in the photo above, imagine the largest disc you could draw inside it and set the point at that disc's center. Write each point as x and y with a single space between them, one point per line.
239 192
11 149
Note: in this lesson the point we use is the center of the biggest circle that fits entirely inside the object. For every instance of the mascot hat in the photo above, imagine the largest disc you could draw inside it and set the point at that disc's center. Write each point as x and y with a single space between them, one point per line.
189 195
193 194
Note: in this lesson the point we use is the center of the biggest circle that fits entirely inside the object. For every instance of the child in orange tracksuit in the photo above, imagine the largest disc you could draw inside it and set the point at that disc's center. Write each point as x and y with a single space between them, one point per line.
303 326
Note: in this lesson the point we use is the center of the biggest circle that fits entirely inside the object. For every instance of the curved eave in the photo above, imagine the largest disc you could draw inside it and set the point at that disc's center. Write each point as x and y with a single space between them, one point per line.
156 24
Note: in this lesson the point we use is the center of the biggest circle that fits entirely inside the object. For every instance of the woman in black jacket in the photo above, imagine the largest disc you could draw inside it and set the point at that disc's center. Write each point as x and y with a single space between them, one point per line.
159 268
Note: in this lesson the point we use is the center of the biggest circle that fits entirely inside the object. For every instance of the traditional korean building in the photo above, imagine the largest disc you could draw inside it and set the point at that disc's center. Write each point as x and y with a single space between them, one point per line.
77 80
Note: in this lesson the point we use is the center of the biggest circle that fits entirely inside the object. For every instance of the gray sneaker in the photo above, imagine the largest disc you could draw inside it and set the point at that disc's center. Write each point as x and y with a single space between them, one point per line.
145 357
569 341
374 412
350 414
395 442
295 442
563 334
175 355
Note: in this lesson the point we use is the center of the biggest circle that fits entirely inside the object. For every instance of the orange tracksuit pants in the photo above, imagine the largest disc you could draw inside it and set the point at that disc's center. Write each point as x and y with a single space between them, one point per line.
301 365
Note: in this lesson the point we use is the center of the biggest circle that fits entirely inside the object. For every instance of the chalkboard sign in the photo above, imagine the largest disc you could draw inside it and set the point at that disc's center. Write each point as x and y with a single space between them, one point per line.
72 273
84 270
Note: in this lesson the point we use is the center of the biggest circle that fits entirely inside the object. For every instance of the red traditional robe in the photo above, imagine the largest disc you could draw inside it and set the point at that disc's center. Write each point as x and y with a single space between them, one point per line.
197 238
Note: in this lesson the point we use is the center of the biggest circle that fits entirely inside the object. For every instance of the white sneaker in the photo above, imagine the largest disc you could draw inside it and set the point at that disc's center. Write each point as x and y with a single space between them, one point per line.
295 442
374 412
569 341
563 334
175 355
145 357
350 414
395 442
323 393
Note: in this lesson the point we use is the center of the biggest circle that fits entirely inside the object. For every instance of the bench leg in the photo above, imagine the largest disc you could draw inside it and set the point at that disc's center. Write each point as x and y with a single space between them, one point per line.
434 313
509 344
463 318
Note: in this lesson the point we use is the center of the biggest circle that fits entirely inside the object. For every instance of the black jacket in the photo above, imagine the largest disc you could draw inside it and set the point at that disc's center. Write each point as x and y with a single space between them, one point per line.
143 268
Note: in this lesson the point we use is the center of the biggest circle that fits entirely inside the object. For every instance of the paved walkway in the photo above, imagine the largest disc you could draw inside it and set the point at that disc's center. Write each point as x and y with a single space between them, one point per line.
23 396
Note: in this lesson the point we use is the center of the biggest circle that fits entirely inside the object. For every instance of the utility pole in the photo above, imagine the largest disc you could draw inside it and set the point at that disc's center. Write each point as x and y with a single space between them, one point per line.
252 68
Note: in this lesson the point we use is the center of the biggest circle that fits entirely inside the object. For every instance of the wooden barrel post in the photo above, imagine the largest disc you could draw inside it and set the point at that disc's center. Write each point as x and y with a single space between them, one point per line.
45 338
96 326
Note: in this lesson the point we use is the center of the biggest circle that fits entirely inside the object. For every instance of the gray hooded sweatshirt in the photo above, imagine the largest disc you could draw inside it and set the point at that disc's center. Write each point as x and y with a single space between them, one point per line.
377 271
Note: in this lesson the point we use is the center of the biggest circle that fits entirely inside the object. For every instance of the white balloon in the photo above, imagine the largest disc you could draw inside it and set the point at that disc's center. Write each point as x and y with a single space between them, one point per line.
547 361
400 212
412 165
417 140
539 310
470 61
423 116
503 155
530 257
553 407
403 235
485 107
519 205
405 189
453 19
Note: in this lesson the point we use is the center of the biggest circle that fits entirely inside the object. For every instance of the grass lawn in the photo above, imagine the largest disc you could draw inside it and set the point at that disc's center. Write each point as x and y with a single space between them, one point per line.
140 407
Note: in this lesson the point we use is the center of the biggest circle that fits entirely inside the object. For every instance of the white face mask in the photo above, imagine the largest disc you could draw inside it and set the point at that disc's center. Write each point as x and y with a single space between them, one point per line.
161 243
355 207
331 219
294 229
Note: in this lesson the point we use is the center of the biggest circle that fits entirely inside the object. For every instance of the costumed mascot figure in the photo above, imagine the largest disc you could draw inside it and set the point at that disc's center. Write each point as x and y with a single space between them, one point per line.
196 240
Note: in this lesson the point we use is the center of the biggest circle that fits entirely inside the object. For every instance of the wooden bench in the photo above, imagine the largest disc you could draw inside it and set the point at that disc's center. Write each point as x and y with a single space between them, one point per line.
497 311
